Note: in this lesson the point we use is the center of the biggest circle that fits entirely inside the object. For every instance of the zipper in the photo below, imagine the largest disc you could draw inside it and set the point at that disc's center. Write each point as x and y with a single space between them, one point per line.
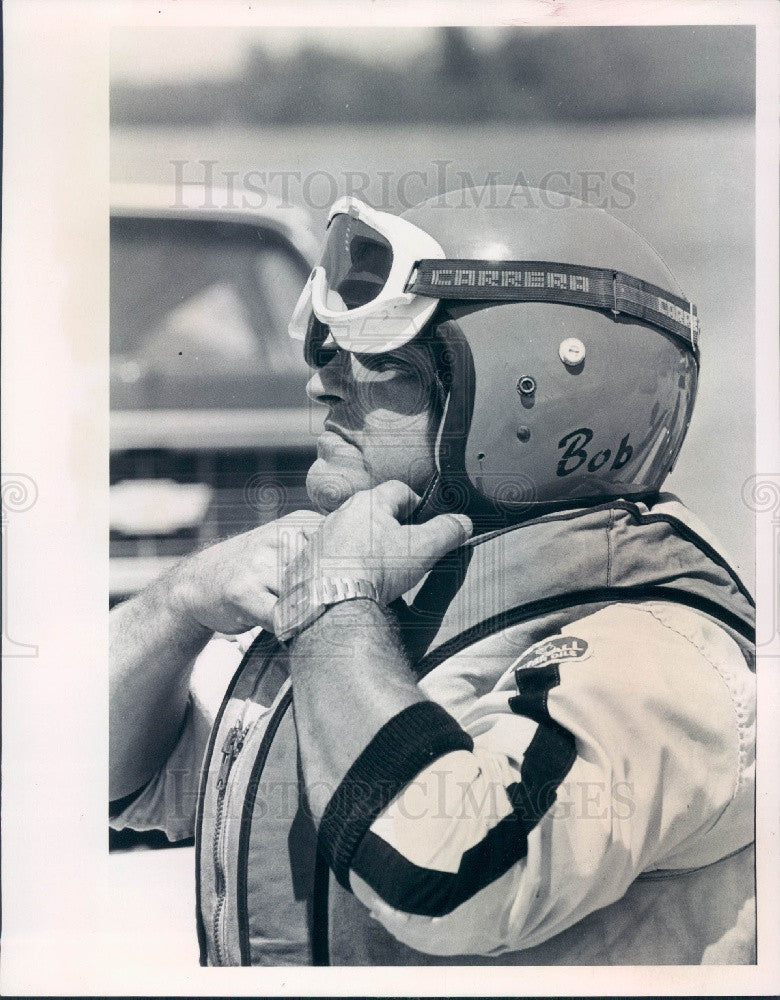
231 748
202 944
264 639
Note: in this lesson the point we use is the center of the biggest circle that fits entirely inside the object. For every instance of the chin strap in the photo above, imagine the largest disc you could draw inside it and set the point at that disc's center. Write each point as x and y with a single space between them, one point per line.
425 509
447 495
451 491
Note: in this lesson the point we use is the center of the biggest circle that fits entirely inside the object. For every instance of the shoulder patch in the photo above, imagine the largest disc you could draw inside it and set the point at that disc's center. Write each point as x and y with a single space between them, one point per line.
556 650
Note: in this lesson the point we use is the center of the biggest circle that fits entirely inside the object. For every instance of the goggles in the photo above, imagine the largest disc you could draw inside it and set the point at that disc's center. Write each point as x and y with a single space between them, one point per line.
358 290
381 279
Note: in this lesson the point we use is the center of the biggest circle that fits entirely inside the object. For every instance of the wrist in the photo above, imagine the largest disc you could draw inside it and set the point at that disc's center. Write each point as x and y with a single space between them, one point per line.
341 634
174 592
359 614
304 603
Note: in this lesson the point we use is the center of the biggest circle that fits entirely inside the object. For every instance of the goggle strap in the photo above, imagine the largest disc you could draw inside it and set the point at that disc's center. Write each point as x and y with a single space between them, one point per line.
568 284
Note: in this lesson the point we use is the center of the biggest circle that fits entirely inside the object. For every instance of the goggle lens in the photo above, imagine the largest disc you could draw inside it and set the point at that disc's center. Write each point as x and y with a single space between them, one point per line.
357 261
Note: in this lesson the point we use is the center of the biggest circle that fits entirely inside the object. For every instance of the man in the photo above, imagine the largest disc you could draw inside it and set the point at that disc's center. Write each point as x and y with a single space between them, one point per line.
546 756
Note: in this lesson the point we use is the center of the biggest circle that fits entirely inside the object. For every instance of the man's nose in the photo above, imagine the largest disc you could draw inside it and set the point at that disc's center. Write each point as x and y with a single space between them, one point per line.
328 385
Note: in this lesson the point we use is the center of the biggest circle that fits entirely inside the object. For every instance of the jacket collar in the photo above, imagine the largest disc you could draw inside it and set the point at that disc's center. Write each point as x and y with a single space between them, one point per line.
621 549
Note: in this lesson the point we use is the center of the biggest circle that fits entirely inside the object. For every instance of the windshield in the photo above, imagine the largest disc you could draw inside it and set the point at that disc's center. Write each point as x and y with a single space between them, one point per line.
199 314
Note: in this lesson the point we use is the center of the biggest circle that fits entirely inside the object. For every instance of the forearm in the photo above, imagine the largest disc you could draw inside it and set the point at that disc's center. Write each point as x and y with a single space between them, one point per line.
366 732
350 676
153 645
364 727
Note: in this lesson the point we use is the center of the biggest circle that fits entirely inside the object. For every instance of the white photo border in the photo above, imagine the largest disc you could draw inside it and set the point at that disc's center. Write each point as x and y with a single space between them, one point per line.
59 934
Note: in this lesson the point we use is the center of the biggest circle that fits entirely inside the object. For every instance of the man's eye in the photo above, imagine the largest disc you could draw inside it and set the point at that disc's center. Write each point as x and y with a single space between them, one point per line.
389 362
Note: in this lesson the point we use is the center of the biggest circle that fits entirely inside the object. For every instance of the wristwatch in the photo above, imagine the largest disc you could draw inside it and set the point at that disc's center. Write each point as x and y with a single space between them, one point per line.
308 601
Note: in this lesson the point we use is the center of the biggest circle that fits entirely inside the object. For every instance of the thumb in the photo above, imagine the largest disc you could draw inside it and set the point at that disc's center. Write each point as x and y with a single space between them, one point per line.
435 538
399 498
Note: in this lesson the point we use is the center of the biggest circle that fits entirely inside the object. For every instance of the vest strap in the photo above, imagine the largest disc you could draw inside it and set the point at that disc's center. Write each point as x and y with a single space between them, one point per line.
598 595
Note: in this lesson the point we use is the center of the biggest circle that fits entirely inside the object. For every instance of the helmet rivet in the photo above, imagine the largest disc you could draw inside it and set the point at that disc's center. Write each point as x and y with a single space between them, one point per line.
571 352
526 385
523 433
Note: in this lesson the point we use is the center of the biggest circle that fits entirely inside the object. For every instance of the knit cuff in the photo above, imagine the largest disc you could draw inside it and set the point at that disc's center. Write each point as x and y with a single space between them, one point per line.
405 745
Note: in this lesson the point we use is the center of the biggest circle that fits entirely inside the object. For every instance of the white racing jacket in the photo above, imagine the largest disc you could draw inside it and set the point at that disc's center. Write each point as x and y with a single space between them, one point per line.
578 789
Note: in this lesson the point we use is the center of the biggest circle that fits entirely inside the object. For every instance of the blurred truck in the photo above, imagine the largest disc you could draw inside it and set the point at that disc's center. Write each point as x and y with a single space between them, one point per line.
211 432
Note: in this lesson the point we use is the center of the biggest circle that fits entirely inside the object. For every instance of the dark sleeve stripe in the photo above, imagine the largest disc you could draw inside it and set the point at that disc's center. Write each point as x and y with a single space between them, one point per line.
548 759
412 889
552 751
406 744
533 686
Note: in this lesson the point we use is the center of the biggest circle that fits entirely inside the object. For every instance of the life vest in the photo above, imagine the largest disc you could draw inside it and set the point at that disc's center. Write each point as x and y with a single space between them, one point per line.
265 897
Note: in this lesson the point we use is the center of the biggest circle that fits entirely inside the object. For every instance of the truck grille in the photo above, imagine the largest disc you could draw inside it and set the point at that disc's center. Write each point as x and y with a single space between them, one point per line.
249 487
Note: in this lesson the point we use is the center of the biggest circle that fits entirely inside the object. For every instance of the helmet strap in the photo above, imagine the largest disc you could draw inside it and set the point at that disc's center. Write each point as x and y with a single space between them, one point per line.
614 292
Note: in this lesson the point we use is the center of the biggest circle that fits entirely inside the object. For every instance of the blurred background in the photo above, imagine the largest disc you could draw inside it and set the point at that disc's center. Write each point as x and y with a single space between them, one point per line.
227 148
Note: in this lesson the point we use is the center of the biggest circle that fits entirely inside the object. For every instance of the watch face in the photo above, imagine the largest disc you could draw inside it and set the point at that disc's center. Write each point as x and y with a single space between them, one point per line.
299 599
297 605
292 611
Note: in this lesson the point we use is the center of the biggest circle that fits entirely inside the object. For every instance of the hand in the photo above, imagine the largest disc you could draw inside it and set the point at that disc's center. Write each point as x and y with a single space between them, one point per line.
365 540
233 586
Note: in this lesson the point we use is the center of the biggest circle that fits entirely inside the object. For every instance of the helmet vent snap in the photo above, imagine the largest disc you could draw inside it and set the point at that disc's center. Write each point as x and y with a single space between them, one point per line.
571 352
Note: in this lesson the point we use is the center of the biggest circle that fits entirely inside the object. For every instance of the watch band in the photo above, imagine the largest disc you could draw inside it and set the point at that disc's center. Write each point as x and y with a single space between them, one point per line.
308 601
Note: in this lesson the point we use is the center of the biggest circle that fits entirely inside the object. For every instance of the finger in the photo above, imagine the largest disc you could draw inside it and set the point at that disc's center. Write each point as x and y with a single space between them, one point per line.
400 499
434 539
293 532
259 610
290 543
307 521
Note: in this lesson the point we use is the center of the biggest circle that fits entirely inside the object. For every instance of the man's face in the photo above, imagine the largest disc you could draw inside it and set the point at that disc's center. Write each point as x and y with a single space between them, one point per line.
381 425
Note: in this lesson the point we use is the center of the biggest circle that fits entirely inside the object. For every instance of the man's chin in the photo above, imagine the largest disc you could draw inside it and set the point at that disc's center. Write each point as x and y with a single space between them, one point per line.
329 486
